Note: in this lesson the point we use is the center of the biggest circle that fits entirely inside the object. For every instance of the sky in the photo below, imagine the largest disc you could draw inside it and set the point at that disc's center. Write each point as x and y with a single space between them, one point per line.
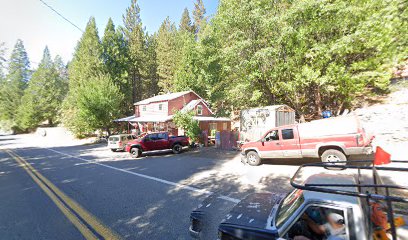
38 26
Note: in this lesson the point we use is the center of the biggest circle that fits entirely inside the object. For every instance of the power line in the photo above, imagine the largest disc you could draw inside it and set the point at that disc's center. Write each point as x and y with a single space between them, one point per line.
59 14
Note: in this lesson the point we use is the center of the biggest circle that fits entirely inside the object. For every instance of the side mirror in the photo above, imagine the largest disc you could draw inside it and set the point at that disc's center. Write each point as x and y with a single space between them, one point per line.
263 140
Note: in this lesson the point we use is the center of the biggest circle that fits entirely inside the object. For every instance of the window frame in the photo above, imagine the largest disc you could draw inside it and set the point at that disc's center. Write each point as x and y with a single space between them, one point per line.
164 134
292 136
149 137
212 124
199 110
277 134
144 108
285 227
160 106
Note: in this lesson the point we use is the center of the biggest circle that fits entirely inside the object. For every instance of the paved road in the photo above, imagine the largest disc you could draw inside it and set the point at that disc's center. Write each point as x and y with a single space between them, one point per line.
110 193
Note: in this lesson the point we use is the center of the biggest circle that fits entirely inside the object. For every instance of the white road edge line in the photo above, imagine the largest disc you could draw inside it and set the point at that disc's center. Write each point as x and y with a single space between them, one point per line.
194 189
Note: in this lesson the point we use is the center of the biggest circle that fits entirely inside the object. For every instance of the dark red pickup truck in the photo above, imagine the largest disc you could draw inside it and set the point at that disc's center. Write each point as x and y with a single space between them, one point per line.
156 141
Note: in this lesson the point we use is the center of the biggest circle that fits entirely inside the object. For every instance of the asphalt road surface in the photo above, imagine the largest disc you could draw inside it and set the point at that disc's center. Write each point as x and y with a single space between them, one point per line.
87 192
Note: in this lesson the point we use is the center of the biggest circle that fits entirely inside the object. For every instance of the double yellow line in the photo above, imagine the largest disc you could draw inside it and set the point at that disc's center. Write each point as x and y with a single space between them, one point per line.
89 226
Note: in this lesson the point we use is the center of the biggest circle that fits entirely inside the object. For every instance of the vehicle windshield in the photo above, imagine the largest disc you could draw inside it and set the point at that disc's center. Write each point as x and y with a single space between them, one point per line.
289 205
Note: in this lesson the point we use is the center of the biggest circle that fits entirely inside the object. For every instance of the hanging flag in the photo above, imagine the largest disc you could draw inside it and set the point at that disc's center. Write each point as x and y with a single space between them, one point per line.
381 157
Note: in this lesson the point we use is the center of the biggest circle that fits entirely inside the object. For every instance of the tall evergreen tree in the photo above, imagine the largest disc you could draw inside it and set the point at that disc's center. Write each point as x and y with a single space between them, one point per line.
151 77
62 70
86 64
116 63
167 54
134 34
16 81
185 22
2 59
199 15
43 97
87 60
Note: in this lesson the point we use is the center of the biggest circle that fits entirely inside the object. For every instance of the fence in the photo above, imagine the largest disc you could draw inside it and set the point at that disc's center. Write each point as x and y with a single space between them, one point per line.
226 140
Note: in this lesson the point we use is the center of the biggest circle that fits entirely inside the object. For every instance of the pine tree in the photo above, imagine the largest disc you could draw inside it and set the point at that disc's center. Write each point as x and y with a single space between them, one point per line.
62 70
185 22
116 63
2 60
151 77
87 60
167 55
13 86
134 34
43 97
199 15
86 64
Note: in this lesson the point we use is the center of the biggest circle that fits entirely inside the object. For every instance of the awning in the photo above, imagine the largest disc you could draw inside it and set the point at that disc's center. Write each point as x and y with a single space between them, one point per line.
125 119
152 119
211 119
168 118
144 119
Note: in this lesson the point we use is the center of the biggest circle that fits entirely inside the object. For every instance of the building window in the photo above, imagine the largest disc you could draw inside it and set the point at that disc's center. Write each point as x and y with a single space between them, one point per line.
160 107
199 110
213 126
224 126
144 108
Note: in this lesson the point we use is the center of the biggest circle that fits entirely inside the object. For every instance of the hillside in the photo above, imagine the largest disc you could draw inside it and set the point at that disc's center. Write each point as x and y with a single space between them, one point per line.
388 121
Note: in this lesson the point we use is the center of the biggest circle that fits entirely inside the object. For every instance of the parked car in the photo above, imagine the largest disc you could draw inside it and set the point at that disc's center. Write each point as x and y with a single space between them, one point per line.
157 141
324 206
331 140
118 142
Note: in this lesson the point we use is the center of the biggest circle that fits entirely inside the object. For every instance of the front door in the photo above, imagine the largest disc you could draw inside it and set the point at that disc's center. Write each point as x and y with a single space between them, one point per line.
290 143
270 145
162 141
150 142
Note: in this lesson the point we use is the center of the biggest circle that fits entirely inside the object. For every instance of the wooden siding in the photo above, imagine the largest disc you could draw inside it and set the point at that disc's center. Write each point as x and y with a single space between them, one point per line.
180 102
205 126
169 107
152 109
206 111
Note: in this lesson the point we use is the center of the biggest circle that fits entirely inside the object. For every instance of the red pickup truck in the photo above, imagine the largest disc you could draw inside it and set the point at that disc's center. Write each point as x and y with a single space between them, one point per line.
331 139
156 141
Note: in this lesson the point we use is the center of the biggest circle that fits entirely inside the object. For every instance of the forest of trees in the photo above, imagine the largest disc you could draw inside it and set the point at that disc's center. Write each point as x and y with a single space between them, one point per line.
311 55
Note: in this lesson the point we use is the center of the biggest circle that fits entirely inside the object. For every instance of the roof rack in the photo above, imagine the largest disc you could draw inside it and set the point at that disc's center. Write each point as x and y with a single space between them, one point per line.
358 165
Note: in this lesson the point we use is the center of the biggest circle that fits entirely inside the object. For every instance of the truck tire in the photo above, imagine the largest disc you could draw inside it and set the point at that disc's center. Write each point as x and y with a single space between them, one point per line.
113 149
177 148
135 152
333 156
253 158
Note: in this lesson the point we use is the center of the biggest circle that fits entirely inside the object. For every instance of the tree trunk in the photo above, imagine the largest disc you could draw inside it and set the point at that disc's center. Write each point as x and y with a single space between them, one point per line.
302 118
134 97
318 101
139 87
108 131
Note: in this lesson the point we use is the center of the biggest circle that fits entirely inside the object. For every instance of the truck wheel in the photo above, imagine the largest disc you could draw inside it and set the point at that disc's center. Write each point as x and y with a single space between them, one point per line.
333 156
177 148
135 152
253 158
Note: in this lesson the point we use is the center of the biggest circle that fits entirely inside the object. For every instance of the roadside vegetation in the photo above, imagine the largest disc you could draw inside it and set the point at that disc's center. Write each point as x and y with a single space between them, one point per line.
311 55
185 121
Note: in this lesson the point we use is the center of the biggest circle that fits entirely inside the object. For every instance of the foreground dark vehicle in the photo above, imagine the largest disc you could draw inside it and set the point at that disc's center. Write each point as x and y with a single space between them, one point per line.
156 141
331 205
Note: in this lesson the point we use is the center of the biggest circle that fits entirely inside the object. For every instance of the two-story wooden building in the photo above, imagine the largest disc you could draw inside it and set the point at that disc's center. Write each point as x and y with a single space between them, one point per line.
156 113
